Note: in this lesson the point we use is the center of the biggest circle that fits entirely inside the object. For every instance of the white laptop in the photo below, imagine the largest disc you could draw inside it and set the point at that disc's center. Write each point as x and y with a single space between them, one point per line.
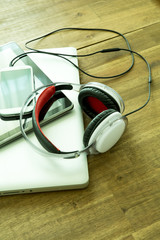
22 169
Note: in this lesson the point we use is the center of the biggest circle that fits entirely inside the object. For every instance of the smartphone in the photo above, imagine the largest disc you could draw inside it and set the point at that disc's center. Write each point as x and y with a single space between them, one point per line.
16 84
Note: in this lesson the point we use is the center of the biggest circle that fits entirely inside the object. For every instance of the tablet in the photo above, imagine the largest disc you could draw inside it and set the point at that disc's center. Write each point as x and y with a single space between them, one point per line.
16 83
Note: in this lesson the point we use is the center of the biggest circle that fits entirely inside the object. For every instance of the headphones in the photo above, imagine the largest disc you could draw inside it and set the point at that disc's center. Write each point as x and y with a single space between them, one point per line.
101 103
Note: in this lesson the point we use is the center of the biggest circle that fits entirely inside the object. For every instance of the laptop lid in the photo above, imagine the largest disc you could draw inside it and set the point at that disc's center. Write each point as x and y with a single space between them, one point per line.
22 170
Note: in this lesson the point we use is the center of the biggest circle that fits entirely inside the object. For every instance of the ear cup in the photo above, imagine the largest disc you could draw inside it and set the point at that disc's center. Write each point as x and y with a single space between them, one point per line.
104 131
94 101
94 123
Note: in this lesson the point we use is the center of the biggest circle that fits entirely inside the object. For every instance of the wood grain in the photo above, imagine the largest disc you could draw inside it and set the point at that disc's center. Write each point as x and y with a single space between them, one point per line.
122 201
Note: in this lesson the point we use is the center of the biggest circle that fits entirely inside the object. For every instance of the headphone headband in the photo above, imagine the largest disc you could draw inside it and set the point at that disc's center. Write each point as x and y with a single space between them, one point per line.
42 100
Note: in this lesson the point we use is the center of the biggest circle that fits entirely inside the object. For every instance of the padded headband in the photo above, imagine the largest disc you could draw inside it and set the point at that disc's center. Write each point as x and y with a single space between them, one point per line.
44 97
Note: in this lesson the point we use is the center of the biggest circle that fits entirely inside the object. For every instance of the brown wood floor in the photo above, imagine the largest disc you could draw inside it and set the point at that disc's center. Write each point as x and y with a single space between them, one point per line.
122 201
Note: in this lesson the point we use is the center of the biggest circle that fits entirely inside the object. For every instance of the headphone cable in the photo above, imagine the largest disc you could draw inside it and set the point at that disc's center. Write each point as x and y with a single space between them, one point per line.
64 56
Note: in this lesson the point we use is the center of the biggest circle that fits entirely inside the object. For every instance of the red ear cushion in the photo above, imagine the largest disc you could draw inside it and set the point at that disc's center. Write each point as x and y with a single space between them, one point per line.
42 100
94 101
47 106
94 124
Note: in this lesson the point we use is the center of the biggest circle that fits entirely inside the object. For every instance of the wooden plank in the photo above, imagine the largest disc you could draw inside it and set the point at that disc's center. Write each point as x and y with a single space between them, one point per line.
150 232
122 199
38 18
74 214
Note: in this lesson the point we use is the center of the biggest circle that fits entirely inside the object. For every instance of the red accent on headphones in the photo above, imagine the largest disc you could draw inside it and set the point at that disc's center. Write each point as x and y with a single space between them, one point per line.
96 104
42 100
47 94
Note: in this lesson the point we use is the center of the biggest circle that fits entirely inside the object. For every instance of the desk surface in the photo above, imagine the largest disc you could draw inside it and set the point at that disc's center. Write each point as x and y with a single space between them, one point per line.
122 200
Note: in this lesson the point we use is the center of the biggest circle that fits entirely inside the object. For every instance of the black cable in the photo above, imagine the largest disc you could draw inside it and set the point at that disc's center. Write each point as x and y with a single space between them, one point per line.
17 58
79 29
149 80
71 55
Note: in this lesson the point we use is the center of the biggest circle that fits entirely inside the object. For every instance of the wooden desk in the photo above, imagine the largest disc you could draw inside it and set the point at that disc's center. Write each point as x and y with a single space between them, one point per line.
122 200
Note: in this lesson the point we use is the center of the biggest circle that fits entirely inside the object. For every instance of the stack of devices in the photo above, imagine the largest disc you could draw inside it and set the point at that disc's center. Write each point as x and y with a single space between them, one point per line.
22 170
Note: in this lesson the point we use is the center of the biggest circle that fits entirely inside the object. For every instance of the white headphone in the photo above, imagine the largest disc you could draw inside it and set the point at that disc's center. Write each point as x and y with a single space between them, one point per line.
101 103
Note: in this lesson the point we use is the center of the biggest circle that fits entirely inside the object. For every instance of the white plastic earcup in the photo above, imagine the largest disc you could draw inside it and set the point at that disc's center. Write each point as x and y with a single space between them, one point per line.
107 133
